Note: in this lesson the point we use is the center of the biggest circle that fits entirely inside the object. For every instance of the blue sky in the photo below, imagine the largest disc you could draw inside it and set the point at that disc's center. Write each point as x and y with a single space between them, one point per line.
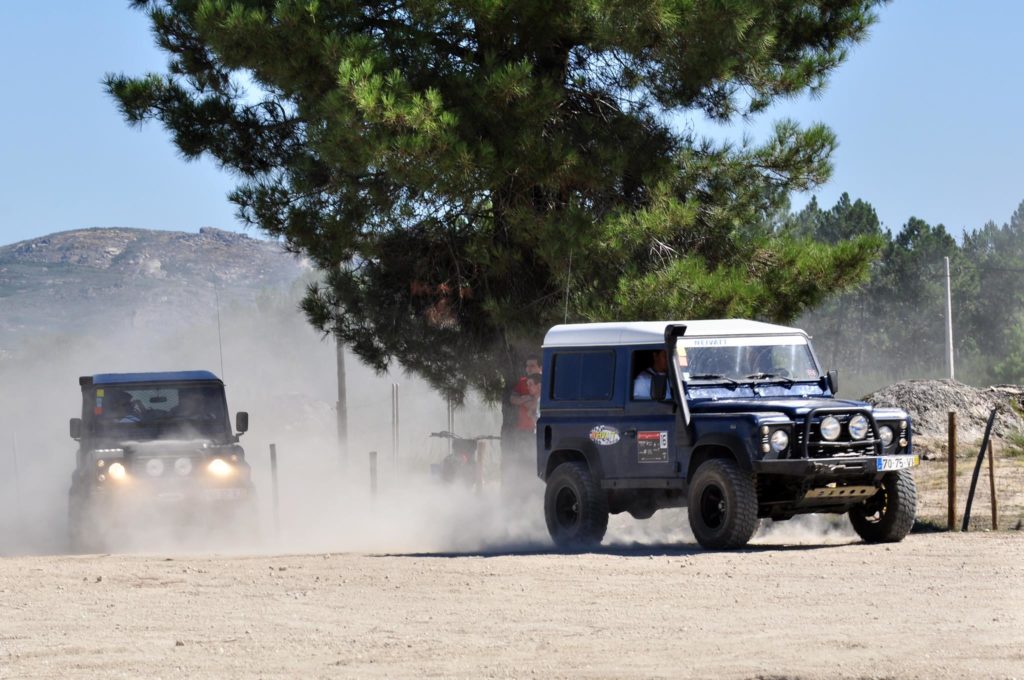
927 112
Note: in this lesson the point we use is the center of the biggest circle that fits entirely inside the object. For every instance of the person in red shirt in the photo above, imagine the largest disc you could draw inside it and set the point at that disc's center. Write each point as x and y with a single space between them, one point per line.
518 455
526 419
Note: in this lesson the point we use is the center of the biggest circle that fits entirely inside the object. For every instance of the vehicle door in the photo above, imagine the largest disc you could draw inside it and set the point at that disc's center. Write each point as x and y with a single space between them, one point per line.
648 424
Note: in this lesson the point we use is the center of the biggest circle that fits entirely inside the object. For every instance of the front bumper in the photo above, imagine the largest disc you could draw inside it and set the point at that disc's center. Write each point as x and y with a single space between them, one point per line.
836 467
176 495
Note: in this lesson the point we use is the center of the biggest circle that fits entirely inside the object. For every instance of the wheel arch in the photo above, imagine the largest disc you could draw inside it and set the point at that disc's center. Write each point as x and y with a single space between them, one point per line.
573 454
721 447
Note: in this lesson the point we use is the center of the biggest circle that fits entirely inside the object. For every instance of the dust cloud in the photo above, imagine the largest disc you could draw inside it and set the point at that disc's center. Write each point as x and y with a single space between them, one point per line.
284 374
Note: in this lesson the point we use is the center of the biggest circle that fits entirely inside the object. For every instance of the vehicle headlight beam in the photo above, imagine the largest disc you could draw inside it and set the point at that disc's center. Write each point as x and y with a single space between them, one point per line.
219 467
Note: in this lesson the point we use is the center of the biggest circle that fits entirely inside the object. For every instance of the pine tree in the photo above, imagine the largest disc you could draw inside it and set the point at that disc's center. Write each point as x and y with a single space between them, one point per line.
467 173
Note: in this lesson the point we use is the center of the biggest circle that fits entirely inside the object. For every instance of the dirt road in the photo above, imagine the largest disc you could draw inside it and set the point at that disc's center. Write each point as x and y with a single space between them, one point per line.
934 606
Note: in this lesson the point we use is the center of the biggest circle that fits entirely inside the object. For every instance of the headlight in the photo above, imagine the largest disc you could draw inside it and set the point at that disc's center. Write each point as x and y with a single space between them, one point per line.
858 427
117 471
830 428
154 467
219 468
183 466
885 434
780 440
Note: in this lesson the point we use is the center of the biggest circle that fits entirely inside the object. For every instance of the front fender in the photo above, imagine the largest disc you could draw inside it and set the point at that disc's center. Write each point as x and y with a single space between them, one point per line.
742 448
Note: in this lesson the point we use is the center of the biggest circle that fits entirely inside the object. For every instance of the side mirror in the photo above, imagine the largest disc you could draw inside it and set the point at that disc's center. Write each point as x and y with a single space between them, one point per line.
76 428
659 384
241 422
832 379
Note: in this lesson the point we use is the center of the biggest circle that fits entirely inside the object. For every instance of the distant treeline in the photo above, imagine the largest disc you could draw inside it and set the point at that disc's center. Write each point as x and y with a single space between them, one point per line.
893 326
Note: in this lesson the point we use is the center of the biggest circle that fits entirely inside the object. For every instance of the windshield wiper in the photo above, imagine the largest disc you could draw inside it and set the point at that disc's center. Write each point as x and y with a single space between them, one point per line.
788 382
713 376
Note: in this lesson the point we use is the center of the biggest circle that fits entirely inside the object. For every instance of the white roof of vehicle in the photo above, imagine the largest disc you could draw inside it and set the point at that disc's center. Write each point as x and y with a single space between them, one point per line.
653 332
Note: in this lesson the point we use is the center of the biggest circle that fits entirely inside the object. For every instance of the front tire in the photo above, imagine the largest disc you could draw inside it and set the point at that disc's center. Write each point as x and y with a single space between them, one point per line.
888 516
575 507
722 505
84 536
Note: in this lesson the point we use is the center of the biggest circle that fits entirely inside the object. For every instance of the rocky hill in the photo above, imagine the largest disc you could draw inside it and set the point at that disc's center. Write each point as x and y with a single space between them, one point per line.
132 278
929 402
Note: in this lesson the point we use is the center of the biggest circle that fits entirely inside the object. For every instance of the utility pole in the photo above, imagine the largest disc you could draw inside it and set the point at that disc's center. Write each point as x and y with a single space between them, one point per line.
342 405
949 320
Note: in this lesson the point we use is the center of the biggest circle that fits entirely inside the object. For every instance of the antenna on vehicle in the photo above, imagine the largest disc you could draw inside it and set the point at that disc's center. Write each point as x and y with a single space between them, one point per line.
568 277
220 341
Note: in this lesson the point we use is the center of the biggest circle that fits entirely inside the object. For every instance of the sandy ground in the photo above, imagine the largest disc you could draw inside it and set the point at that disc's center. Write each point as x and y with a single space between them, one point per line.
934 606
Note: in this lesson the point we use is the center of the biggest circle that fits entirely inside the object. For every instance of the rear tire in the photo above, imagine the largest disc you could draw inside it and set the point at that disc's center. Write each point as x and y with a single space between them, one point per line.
722 505
888 516
575 507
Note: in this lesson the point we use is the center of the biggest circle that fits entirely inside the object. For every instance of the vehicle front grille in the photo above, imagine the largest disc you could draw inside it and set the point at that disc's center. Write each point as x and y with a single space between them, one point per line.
844 446
163 467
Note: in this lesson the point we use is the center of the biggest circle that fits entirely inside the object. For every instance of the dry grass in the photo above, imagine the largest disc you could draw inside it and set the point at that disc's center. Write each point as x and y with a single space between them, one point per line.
932 486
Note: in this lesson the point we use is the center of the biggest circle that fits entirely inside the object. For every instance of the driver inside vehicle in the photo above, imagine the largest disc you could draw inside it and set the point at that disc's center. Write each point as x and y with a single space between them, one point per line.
760 360
645 379
121 408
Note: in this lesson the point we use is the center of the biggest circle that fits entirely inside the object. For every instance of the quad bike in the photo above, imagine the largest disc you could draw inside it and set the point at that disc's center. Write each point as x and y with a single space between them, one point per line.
464 465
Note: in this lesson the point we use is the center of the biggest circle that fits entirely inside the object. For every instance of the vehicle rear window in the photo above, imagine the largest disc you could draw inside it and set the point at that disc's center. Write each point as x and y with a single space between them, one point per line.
583 376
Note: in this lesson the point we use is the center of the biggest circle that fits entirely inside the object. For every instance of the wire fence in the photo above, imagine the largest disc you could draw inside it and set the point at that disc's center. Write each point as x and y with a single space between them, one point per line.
998 500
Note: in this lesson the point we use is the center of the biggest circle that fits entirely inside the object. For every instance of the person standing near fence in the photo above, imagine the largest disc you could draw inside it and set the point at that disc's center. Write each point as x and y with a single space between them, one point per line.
518 456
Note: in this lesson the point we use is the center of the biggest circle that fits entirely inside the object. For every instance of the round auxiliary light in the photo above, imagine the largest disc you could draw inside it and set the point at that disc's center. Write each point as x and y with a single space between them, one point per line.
183 466
885 434
830 428
858 427
154 467
219 468
117 471
780 440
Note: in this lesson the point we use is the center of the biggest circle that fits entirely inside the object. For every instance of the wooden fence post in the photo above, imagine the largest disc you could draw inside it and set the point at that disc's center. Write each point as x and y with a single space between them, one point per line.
992 486
951 478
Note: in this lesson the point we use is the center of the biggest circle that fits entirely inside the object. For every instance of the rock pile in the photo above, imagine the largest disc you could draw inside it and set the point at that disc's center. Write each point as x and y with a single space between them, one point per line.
930 401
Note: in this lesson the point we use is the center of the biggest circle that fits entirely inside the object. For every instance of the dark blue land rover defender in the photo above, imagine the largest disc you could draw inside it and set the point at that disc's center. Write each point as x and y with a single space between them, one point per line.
154 448
734 419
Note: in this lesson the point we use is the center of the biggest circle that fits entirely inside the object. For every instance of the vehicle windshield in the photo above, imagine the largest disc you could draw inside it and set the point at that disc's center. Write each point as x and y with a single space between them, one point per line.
158 411
732 359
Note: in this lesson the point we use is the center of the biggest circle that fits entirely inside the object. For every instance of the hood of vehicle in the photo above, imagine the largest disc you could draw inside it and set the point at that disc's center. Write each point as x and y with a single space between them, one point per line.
790 406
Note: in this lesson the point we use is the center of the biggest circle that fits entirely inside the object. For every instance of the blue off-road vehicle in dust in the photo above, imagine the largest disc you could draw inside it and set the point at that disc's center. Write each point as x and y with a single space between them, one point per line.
156 451
734 419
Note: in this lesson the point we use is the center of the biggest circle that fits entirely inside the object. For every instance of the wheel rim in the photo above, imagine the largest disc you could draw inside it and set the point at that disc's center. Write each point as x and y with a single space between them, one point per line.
567 508
713 507
874 509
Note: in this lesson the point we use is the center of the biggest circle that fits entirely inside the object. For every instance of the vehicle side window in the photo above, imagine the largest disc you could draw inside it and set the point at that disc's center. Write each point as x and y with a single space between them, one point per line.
642 360
583 376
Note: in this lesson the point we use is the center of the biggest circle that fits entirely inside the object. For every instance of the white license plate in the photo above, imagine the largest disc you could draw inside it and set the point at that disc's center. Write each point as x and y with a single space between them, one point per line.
887 463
